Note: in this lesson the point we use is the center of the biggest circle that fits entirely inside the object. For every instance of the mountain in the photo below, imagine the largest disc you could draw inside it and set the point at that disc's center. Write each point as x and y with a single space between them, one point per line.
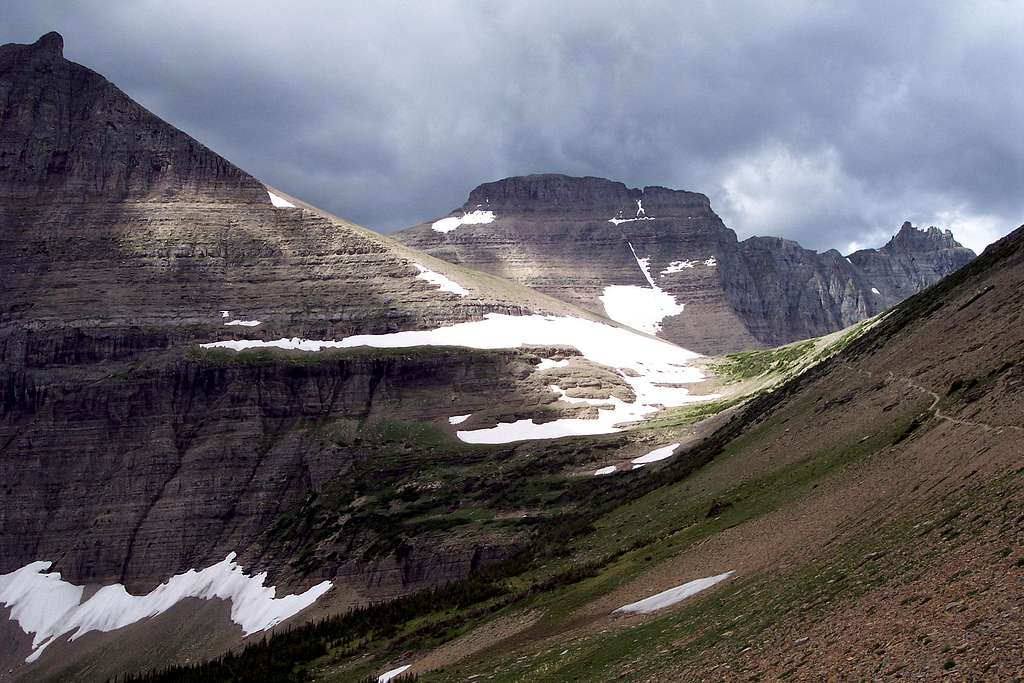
117 223
222 409
243 439
862 521
912 260
662 261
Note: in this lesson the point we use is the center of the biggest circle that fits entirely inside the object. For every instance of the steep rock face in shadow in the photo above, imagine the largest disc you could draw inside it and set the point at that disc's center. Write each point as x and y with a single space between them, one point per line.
572 238
66 130
124 243
145 473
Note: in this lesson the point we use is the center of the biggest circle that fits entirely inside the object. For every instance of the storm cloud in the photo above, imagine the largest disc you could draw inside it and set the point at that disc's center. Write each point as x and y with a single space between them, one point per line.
827 123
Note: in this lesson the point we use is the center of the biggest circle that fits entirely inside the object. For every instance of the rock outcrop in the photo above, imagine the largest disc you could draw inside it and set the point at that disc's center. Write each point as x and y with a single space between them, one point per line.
574 238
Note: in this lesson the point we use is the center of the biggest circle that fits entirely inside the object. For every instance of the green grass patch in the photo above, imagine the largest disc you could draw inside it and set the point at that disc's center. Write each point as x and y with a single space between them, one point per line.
737 367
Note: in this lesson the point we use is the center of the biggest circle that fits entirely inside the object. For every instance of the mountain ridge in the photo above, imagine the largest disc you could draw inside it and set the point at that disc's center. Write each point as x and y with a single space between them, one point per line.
574 237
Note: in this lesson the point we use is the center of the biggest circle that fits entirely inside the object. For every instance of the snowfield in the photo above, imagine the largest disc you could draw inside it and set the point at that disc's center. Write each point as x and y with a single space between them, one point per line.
394 673
677 267
243 323
653 368
642 308
280 202
45 605
549 363
672 595
657 454
440 281
472 218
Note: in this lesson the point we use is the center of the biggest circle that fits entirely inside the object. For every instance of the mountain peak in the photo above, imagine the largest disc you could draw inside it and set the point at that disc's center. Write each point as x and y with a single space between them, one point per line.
91 140
931 238
51 43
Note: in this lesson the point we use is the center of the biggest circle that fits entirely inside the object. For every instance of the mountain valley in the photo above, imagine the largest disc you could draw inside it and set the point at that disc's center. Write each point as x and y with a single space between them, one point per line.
573 431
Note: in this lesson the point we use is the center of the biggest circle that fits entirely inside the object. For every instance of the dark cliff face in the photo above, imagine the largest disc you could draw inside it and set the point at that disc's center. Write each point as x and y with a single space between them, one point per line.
65 129
122 240
572 238
588 197
149 472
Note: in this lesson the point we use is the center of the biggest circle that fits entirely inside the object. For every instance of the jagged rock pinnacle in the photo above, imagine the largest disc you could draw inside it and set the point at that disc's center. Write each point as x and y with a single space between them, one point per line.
52 42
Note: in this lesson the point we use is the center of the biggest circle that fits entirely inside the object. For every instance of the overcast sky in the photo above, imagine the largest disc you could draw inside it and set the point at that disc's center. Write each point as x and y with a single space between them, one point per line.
828 123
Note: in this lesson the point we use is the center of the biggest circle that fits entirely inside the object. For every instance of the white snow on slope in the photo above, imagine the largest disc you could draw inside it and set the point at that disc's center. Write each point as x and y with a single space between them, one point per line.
442 283
225 314
711 262
677 267
645 265
617 221
49 607
548 364
458 419
642 308
653 368
394 673
280 202
672 595
641 215
656 455
471 218
604 470
243 323
875 290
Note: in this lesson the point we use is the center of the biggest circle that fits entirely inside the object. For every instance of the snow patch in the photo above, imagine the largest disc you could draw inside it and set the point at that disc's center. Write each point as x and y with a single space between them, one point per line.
641 308
655 380
442 282
656 455
677 267
471 218
605 470
49 607
673 595
641 215
225 314
243 323
394 673
618 221
875 290
458 419
280 202
548 364
711 262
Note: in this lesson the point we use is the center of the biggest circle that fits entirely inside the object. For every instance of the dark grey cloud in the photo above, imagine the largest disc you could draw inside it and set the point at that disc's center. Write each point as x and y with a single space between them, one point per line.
829 123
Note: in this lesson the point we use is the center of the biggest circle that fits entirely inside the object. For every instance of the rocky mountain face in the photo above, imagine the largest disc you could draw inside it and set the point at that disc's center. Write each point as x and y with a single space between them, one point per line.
912 260
663 261
126 454
122 234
